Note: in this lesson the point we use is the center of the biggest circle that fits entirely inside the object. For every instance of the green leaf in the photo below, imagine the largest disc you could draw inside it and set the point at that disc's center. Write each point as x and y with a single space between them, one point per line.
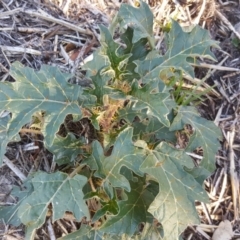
138 51
145 98
199 173
99 90
151 232
133 211
128 113
126 172
124 153
140 19
100 77
9 213
65 149
109 49
4 139
110 207
95 160
63 192
152 131
160 131
174 205
97 64
46 90
206 134
181 46
84 233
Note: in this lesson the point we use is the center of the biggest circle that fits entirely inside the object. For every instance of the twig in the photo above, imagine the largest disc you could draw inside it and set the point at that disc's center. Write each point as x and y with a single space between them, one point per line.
14 168
194 155
205 210
200 230
223 188
43 15
50 230
9 13
229 25
197 19
76 170
66 55
217 182
218 115
221 90
201 82
221 68
233 174
17 50
62 227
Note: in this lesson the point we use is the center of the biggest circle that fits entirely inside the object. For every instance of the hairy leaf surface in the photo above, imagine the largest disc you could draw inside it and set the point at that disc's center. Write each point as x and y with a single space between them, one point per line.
63 192
206 134
174 206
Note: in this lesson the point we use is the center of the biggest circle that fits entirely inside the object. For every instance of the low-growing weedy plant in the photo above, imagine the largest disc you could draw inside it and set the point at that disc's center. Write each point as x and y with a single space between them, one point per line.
123 174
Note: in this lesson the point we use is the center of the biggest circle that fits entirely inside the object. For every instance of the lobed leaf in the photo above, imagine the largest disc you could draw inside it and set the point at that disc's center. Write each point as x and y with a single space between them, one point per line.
96 70
63 192
46 90
206 134
174 206
133 211
160 131
95 160
136 50
129 113
145 98
9 213
140 19
109 48
181 47
65 149
124 153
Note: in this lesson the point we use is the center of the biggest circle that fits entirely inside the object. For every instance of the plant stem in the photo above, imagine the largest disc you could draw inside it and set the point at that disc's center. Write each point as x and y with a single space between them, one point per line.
76 170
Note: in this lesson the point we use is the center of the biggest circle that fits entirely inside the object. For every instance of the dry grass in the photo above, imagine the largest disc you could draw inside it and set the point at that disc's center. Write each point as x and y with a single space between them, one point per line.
64 33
